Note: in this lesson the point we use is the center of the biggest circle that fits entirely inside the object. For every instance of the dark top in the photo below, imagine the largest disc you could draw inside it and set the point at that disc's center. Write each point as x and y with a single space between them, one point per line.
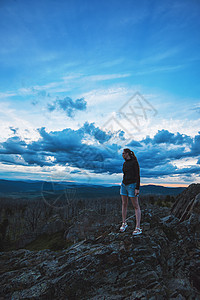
131 172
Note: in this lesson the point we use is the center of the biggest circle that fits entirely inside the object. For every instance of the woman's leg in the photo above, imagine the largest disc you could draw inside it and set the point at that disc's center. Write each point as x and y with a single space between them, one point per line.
124 207
136 206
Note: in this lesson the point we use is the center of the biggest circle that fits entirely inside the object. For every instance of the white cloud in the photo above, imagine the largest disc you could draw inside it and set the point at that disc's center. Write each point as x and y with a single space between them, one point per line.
71 77
7 95
112 63
106 77
185 162
66 84
160 69
160 56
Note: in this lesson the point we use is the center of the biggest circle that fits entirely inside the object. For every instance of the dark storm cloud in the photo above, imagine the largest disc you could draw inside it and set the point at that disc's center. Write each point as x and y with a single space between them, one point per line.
65 147
195 149
36 159
165 137
68 105
159 171
133 144
98 134
66 140
157 154
11 159
68 147
13 145
14 130
167 169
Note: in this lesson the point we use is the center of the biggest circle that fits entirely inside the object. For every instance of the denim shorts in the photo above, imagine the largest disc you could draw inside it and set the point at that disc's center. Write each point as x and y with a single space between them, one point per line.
128 190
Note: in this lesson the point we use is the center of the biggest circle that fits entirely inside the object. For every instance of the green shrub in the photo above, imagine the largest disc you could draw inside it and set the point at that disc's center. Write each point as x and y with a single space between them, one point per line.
52 242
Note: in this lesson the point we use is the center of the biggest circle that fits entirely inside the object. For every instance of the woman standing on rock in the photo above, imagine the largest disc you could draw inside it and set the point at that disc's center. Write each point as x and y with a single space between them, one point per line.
130 188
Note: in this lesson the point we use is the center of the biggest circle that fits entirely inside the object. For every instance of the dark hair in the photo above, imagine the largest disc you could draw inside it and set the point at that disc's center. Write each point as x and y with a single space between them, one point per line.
130 152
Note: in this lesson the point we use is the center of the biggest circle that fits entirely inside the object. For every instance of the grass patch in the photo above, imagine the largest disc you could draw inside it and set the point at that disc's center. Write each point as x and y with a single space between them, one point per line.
54 241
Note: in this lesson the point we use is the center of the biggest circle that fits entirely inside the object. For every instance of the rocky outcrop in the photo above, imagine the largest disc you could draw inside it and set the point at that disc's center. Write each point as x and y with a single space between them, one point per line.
88 224
187 203
162 263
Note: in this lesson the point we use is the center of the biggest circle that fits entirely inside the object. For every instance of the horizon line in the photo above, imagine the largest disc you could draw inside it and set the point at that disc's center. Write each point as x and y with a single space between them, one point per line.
170 185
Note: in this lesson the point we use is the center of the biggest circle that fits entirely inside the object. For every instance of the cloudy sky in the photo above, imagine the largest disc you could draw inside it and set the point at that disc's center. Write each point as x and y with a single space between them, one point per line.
81 80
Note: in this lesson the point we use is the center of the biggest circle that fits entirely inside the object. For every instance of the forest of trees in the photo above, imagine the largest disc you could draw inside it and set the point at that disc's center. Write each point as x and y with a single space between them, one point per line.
27 217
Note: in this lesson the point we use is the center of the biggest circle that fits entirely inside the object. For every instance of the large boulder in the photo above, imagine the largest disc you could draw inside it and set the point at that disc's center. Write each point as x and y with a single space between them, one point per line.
187 204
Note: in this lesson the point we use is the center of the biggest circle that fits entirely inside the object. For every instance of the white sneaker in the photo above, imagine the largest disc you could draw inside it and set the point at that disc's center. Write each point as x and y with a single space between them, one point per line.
137 231
123 227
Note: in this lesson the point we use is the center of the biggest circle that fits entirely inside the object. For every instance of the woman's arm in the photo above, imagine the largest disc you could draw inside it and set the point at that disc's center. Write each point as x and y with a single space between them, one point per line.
137 172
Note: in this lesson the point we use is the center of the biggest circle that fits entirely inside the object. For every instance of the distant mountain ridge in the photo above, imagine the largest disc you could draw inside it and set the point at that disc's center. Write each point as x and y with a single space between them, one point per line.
20 186
158 189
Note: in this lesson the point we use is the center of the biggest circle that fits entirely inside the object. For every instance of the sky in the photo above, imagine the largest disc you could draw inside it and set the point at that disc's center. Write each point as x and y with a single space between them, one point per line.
82 80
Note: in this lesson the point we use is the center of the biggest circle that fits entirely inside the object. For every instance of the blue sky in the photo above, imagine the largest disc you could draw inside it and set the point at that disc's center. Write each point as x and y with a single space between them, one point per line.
81 80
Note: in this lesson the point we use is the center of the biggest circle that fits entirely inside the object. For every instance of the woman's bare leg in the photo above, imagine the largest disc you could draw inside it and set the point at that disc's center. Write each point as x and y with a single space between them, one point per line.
124 207
136 206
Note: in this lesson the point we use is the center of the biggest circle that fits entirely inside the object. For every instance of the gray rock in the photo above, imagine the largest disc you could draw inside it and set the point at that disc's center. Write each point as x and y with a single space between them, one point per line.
162 263
187 202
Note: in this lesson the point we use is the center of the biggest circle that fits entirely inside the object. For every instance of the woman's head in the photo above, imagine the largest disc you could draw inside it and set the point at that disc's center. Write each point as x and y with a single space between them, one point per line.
127 153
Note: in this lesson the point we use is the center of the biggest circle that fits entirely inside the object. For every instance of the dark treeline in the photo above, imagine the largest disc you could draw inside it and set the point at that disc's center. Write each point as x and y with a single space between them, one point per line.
28 216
